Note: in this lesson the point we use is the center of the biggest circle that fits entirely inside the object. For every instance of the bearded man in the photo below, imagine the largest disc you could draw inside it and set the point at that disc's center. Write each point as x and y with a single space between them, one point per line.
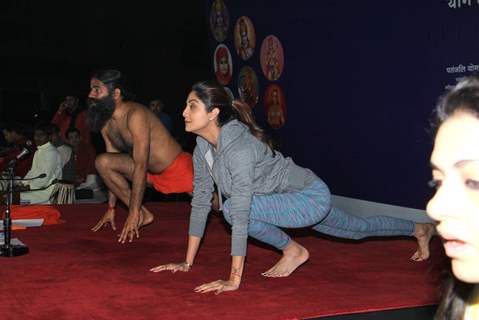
139 149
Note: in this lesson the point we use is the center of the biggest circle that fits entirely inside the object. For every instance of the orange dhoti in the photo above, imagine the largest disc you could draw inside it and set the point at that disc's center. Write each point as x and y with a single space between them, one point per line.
177 178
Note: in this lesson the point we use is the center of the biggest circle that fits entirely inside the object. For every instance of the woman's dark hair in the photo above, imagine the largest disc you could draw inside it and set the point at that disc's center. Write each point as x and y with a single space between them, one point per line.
114 79
454 300
214 95
464 97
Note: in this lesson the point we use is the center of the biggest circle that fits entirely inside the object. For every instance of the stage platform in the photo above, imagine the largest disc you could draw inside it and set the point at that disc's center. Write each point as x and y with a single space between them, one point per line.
73 273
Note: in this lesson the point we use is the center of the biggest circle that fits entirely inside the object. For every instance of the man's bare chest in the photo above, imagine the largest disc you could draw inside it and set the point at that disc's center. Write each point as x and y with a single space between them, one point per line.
120 138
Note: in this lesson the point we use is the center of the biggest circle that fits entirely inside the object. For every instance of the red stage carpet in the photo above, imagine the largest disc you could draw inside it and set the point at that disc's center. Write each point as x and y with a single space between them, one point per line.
73 273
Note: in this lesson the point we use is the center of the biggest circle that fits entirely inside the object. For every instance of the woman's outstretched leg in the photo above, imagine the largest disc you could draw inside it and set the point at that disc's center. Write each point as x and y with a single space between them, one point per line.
343 225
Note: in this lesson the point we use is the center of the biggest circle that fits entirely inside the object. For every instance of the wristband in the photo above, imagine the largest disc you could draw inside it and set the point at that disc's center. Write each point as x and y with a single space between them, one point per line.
188 265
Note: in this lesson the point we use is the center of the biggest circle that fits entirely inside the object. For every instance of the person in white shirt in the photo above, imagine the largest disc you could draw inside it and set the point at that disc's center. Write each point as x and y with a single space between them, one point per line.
66 154
64 149
46 160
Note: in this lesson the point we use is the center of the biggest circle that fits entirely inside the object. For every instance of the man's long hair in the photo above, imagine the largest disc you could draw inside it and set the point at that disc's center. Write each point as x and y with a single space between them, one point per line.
114 79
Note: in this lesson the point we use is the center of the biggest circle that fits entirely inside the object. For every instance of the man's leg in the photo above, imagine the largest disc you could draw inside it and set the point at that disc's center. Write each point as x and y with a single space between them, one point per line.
115 169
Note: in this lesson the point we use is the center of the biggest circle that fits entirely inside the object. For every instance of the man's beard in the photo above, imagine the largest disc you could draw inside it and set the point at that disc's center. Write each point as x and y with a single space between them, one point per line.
99 112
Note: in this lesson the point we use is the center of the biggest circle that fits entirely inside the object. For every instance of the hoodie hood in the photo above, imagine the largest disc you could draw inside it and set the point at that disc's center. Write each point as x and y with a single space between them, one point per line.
230 132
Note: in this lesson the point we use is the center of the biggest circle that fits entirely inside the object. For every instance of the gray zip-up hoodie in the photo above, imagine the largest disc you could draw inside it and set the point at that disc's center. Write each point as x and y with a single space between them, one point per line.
241 166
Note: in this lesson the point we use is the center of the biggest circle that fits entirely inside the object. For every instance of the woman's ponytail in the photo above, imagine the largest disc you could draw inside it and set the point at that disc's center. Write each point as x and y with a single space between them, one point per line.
244 115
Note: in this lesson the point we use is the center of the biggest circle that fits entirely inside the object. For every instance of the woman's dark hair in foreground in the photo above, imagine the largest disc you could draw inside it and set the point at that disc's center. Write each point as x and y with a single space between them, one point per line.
464 97
214 95
454 299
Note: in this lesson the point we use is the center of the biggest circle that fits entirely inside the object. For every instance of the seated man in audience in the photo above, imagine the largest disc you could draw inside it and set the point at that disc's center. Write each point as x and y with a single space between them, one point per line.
16 139
46 161
83 157
66 152
157 107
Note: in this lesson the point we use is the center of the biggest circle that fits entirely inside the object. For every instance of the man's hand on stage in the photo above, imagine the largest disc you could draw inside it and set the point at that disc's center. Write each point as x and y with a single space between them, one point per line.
131 228
217 286
108 218
173 267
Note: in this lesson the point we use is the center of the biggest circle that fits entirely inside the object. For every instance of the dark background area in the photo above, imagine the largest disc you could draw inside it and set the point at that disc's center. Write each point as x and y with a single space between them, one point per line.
49 48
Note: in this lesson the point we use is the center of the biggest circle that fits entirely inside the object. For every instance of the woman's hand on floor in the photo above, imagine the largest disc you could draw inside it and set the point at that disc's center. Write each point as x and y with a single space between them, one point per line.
218 286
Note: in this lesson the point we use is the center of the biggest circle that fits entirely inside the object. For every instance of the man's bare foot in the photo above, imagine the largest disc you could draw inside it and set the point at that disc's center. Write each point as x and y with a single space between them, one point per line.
294 255
146 217
423 234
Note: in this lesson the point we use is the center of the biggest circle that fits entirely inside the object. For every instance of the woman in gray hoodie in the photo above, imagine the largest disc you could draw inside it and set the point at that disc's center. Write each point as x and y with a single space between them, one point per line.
264 192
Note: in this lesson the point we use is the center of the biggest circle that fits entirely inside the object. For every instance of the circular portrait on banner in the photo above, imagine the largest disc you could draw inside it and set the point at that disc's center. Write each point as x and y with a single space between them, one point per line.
219 20
248 86
245 37
275 106
272 58
223 64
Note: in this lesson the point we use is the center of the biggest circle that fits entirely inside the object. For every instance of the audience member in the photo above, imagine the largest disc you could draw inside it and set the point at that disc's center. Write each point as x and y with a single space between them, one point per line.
158 107
47 161
66 152
71 115
15 137
455 205
83 156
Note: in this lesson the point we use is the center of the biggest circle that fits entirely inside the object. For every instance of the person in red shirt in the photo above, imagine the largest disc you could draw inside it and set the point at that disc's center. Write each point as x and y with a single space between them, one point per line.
70 115
15 138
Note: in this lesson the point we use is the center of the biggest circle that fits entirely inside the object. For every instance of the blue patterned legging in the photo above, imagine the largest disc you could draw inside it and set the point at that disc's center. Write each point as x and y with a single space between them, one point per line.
312 207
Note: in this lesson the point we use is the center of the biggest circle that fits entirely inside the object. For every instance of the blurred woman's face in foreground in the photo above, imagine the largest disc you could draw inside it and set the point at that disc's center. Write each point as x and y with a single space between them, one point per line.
455 205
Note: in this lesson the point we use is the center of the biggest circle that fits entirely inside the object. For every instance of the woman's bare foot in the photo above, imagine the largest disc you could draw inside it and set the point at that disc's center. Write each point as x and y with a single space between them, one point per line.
423 234
146 217
294 255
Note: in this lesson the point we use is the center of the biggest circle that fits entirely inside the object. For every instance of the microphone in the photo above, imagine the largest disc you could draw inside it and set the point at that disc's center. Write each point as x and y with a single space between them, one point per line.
25 151
40 176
